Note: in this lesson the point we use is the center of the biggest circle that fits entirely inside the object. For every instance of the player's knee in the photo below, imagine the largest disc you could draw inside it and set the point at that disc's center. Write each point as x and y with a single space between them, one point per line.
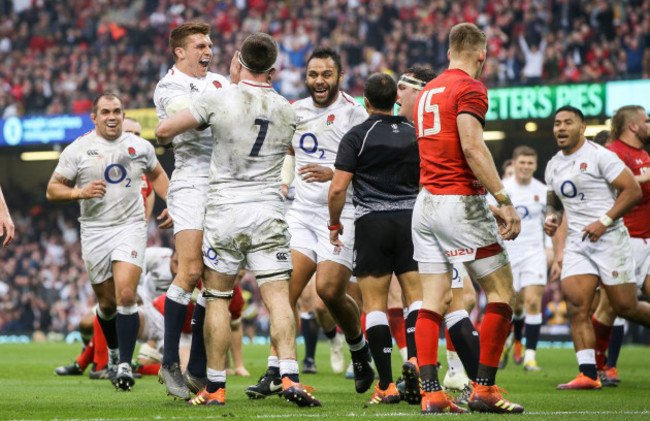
625 310
127 297
469 302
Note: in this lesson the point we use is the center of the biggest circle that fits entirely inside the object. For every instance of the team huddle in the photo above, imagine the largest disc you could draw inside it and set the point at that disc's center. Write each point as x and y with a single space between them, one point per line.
376 195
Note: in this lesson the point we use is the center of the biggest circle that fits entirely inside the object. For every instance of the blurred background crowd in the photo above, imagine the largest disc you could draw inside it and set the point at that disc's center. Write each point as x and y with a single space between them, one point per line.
56 55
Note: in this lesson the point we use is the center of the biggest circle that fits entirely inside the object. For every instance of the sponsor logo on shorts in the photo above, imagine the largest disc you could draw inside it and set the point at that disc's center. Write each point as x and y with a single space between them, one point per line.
336 250
212 255
459 252
330 119
131 152
134 254
583 167
282 256
615 274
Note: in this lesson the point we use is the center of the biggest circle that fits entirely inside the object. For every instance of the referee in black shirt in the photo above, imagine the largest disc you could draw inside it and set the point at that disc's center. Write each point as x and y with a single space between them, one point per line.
381 159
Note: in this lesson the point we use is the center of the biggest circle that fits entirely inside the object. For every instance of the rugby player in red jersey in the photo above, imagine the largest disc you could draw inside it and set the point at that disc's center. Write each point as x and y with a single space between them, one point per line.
452 222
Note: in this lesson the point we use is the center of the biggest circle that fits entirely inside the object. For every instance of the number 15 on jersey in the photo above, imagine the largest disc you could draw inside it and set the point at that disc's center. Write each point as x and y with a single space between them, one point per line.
426 106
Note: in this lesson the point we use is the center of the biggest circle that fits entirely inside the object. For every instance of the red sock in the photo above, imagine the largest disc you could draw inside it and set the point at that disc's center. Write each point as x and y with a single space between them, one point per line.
397 326
494 331
450 344
149 369
427 331
363 325
101 348
603 334
86 357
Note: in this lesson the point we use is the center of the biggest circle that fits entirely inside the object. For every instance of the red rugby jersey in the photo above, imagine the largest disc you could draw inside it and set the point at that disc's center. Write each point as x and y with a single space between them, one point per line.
637 220
443 167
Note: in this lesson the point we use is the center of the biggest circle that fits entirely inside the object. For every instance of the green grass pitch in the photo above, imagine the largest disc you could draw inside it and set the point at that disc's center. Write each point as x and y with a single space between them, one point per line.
30 391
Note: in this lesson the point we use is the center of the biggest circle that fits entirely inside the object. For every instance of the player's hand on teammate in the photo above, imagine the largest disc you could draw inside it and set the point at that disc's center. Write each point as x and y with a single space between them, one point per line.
235 67
314 173
550 224
508 221
334 236
94 189
7 230
165 220
593 231
556 266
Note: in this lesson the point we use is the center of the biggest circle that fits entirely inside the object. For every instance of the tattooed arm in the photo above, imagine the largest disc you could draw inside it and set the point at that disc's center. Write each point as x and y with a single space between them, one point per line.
554 213
61 189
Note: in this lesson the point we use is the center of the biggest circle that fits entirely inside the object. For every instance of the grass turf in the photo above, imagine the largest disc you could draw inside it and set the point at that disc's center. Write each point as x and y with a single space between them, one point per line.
29 390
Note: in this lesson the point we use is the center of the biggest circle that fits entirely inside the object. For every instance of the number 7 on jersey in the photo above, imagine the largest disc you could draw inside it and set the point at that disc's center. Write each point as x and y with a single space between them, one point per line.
425 105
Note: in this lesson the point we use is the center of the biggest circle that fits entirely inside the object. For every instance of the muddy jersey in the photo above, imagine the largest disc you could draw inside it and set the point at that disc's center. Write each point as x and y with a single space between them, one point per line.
175 92
316 141
121 163
583 182
252 126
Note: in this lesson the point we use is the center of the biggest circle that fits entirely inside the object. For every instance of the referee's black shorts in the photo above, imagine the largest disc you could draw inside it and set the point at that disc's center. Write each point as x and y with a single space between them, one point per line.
383 244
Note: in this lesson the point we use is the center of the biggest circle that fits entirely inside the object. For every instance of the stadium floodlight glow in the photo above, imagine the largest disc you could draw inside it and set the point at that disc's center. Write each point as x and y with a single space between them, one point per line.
490 136
40 156
531 126
593 130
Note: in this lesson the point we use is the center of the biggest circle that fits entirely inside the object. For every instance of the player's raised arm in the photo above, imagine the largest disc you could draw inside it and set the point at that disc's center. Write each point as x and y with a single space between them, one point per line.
179 123
7 228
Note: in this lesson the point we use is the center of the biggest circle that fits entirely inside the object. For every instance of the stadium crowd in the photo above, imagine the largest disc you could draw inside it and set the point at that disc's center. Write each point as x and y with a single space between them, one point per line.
55 56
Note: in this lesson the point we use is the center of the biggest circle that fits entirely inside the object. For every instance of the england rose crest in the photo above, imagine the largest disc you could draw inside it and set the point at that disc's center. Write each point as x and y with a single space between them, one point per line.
330 119
131 152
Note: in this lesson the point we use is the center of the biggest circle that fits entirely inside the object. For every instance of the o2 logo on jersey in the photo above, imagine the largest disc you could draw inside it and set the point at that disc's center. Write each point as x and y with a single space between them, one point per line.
522 211
212 255
569 190
115 174
309 144
455 274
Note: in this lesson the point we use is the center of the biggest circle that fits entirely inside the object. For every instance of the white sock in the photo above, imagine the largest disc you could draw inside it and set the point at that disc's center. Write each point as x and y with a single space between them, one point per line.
273 362
529 355
454 363
216 376
586 356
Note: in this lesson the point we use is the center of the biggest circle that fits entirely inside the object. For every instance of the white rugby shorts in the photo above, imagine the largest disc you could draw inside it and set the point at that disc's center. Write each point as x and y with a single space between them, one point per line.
154 326
100 247
309 234
186 201
528 267
641 252
609 258
453 229
245 235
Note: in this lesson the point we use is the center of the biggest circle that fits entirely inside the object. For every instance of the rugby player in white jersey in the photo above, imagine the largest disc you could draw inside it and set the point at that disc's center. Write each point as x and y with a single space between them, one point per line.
191 49
595 189
322 120
252 127
102 170
527 254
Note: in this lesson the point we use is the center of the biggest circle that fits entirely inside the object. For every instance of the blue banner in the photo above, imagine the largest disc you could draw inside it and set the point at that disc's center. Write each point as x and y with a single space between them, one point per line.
43 130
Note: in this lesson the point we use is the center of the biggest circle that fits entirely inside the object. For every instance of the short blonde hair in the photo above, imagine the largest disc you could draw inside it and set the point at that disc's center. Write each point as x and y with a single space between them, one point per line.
466 37
622 118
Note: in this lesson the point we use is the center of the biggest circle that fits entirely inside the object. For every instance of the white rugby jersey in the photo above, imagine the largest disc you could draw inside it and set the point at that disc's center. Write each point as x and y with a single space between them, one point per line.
582 181
252 126
121 163
175 92
157 274
316 141
530 202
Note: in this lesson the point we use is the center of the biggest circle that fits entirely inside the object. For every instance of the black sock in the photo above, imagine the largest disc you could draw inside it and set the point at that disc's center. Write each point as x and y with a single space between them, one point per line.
615 344
467 344
429 377
174 321
330 334
309 329
518 325
110 332
127 326
485 375
293 377
381 347
198 359
360 354
212 387
411 349
589 370
273 371
532 336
